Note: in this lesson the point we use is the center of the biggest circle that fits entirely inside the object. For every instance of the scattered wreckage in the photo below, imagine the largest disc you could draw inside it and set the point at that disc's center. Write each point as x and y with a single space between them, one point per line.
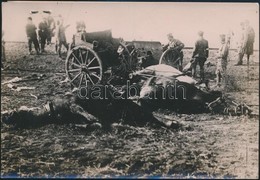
91 58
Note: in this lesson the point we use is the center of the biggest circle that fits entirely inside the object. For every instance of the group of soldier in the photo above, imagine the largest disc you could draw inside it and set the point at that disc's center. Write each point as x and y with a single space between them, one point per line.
47 29
201 51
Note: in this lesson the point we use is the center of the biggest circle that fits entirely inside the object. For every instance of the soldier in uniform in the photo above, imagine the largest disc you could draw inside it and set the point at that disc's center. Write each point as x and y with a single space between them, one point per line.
247 42
81 31
51 27
43 33
222 59
61 36
176 46
3 51
32 36
200 55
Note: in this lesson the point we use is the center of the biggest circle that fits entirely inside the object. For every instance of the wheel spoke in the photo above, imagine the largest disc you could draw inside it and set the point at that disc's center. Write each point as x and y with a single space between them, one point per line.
74 70
93 74
81 78
76 65
83 67
163 60
175 62
90 79
75 57
95 67
86 59
75 77
82 62
91 61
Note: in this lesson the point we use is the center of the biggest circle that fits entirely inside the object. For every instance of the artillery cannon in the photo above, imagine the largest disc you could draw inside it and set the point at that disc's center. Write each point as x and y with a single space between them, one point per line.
93 54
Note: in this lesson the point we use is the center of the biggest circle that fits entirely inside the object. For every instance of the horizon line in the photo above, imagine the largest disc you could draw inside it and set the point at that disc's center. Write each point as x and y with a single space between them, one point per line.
213 48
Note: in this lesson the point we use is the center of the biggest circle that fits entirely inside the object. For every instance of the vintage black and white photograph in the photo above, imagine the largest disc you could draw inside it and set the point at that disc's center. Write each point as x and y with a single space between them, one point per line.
130 90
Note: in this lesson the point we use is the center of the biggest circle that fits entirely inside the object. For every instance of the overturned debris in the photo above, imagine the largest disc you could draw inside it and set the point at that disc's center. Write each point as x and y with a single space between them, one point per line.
33 77
16 88
221 106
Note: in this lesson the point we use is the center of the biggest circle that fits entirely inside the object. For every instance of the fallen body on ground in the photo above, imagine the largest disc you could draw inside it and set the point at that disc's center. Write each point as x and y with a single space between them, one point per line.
71 108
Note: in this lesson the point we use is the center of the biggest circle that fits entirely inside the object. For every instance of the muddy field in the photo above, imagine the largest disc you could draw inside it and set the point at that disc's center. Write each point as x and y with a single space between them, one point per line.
215 146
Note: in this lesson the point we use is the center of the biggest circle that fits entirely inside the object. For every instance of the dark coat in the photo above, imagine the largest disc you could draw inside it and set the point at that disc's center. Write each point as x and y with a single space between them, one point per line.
201 49
31 31
43 29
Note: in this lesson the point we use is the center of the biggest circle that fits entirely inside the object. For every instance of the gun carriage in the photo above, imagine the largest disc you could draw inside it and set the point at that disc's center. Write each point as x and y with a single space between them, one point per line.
93 54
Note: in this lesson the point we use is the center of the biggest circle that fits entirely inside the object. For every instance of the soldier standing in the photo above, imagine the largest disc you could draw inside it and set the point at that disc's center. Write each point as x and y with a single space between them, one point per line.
43 33
247 42
51 27
61 36
176 46
222 60
200 53
79 38
32 36
3 52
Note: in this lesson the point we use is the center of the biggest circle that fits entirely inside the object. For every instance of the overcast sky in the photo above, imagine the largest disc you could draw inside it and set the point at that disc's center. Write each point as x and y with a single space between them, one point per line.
139 21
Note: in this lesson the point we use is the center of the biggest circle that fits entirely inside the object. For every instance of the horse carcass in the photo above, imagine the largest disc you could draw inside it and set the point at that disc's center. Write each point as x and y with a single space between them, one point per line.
167 87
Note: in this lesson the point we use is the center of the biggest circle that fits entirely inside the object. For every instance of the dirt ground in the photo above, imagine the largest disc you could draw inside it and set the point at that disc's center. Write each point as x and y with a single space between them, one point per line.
216 146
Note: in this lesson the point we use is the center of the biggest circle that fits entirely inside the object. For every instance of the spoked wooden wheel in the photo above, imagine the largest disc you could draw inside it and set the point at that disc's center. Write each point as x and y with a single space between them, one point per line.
169 58
83 67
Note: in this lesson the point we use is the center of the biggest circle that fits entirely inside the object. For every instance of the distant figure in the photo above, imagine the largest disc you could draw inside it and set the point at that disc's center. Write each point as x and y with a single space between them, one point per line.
3 52
200 55
176 46
149 60
222 60
247 42
81 26
229 37
32 36
61 36
81 30
80 36
43 33
51 27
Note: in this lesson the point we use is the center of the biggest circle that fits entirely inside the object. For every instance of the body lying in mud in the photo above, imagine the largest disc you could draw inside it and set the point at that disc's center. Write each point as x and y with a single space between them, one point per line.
69 108
102 112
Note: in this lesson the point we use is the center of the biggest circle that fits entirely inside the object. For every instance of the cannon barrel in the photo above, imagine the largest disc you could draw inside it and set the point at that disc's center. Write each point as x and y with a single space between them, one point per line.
102 37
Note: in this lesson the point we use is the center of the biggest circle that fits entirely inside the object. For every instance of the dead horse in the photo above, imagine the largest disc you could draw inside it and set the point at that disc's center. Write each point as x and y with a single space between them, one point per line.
168 88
